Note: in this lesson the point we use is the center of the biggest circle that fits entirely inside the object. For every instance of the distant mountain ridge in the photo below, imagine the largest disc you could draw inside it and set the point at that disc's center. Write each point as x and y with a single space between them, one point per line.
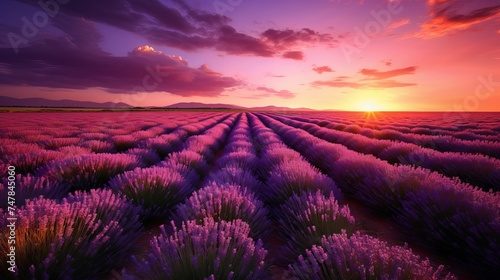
66 103
199 105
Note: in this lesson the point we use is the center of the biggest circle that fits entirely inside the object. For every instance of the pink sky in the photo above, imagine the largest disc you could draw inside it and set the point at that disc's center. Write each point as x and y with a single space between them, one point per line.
348 55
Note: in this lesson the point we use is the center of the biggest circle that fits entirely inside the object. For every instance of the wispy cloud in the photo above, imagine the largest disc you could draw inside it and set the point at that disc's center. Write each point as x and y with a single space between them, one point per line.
378 75
376 79
451 16
322 69
272 92
399 23
295 55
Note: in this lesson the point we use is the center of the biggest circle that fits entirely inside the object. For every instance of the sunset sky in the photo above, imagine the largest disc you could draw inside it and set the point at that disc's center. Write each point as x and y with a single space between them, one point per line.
434 55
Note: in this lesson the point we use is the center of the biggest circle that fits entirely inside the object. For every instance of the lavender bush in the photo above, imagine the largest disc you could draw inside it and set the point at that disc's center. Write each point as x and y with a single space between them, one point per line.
227 203
162 145
294 177
303 219
98 146
28 162
187 172
147 156
235 175
18 149
191 159
240 159
63 240
157 190
87 171
361 257
31 187
221 250
56 143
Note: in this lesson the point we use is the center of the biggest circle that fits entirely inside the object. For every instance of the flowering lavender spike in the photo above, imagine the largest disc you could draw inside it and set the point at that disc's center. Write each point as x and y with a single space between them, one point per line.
157 190
304 219
226 203
361 257
62 240
224 249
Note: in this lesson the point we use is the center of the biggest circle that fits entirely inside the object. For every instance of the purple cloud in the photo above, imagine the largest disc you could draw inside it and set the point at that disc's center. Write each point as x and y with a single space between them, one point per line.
272 92
295 55
322 69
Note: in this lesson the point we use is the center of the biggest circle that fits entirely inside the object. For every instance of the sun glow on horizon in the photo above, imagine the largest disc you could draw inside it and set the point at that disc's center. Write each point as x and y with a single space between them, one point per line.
369 107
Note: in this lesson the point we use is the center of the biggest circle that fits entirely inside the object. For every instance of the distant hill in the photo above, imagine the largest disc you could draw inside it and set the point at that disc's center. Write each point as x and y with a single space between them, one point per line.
279 109
65 103
199 105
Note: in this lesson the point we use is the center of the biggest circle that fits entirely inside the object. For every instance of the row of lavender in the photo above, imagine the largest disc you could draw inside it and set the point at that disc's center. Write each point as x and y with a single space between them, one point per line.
442 213
475 169
55 177
434 139
46 140
476 126
61 238
217 232
314 227
221 224
183 159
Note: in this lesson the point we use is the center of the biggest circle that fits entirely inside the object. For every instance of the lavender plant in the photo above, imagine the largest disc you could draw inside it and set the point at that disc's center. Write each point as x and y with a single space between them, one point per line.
31 187
28 162
221 250
226 203
361 257
304 219
88 171
296 177
63 240
98 146
191 159
157 189
235 175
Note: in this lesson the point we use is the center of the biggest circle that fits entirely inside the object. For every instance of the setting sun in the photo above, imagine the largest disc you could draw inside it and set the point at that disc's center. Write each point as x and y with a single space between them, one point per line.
369 107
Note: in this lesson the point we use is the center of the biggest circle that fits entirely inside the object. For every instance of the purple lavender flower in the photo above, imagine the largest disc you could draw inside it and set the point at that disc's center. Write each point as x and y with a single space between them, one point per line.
191 159
220 250
31 187
98 146
147 156
303 219
235 175
361 257
29 162
157 190
187 172
240 159
278 154
124 142
294 177
88 171
226 203
162 145
19 148
62 240
56 143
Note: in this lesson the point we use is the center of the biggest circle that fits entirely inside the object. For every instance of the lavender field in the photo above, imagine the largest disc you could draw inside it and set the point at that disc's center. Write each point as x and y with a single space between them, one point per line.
249 195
